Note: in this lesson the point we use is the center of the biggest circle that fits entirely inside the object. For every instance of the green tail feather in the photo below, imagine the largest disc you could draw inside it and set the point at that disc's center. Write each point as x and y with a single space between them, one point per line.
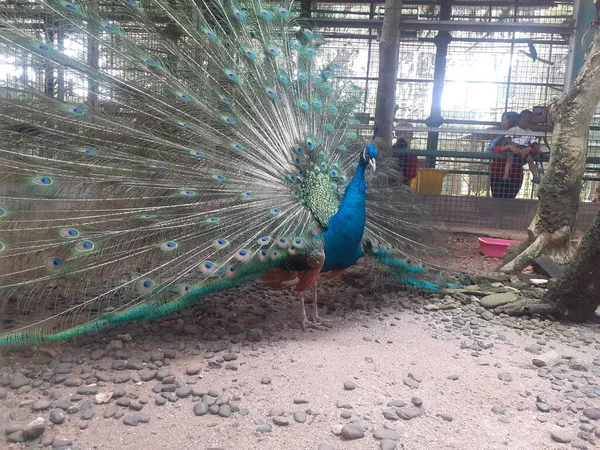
408 272
146 311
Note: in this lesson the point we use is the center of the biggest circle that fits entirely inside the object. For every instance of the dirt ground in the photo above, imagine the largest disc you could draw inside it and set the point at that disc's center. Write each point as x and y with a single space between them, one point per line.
465 376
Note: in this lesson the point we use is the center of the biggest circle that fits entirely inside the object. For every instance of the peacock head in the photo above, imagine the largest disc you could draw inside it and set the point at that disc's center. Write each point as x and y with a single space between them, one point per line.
369 156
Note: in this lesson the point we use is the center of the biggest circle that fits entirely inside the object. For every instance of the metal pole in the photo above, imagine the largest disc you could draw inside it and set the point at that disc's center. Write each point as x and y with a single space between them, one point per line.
584 13
572 46
435 119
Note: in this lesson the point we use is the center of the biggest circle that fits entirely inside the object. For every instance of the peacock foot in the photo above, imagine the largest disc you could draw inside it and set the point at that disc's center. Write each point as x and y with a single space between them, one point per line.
305 324
318 320
313 322
315 318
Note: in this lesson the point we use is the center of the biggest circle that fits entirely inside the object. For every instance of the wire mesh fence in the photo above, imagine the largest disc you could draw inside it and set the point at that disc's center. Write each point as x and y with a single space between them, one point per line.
487 73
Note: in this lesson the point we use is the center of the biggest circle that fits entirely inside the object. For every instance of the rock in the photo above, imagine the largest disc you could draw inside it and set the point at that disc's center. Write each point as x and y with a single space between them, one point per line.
73 409
42 404
505 376
300 416
486 315
413 384
396 403
47 439
494 300
265 380
547 359
62 444
546 267
225 410
337 429
325 447
264 428
135 364
390 414
168 396
578 365
63 368
194 369
110 411
57 416
87 390
19 380
535 349
417 378
147 375
136 406
543 407
387 444
343 405
134 419
351 432
16 437
446 417
416 401
300 401
276 411
562 436
409 412
183 392
347 414
384 433
103 397
592 413
123 401
281 421
349 385
87 414
200 409
121 378
498 410
34 429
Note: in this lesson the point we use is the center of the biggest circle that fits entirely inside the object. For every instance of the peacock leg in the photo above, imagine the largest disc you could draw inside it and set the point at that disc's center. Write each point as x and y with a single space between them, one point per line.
317 320
304 322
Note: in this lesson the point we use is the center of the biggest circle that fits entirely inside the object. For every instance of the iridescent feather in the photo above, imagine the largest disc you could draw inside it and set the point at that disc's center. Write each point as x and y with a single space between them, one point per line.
215 151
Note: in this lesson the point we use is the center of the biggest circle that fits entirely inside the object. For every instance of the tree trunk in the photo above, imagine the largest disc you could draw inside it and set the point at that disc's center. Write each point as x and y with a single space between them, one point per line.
551 229
576 295
388 73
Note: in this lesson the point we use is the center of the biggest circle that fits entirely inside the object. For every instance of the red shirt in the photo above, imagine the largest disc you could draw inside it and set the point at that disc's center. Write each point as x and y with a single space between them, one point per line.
408 165
497 165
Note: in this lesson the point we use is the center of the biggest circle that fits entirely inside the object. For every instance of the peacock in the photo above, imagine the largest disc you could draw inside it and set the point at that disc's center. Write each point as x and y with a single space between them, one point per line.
196 146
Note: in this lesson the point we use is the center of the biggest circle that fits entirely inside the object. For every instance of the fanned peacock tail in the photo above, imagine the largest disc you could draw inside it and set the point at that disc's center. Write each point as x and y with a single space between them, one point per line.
218 150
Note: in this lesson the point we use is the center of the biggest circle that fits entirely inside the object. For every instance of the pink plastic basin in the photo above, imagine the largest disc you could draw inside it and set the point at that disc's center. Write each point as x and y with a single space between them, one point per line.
493 247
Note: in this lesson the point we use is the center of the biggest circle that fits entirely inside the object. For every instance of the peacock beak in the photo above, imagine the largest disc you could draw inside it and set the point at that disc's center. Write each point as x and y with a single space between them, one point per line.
373 163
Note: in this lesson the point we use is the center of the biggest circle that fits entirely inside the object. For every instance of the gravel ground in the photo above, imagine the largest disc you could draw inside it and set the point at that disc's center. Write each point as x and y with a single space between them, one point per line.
391 370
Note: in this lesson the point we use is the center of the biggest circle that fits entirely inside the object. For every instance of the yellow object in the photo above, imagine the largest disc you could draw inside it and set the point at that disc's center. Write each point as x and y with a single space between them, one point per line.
428 181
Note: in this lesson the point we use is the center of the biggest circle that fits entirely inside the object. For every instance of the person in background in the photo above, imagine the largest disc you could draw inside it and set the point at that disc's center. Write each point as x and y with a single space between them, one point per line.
505 187
527 147
407 164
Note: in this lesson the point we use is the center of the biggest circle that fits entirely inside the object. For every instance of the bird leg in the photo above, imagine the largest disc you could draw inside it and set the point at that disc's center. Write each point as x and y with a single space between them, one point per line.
316 319
304 322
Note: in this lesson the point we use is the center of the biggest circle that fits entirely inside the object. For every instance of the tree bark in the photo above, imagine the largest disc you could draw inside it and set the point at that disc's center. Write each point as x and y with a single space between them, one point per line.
551 229
576 295
388 73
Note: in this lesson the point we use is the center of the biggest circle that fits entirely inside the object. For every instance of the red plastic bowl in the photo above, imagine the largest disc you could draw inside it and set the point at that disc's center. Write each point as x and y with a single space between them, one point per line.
493 247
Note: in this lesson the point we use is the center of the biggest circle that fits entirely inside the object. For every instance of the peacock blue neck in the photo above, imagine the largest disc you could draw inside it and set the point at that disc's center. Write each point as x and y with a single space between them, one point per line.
345 230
